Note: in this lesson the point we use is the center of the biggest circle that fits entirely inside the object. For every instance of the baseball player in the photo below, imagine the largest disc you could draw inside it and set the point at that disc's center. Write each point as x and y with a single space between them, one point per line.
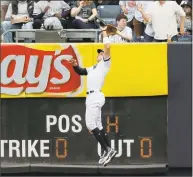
95 98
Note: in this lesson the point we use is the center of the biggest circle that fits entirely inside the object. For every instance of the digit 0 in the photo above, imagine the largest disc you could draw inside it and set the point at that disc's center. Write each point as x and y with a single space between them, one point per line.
64 142
142 142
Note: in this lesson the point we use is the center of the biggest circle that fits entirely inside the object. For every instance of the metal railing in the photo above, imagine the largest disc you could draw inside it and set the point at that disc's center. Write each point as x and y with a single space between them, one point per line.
68 33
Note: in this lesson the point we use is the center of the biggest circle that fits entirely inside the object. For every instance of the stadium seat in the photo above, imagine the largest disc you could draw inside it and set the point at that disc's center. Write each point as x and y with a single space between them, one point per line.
108 13
185 38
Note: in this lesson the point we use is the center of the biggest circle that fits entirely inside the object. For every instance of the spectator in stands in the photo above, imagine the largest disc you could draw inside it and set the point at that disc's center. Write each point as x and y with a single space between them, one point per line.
84 13
187 7
19 15
162 16
4 7
124 32
53 12
148 33
135 20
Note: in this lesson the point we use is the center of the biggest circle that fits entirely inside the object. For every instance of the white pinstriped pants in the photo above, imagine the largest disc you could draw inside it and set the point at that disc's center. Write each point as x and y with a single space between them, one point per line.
94 103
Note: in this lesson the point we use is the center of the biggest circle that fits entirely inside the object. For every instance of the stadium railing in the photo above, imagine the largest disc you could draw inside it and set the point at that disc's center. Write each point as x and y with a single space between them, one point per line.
21 34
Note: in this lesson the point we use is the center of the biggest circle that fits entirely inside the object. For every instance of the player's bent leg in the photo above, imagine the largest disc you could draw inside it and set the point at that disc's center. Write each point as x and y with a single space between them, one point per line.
92 113
104 135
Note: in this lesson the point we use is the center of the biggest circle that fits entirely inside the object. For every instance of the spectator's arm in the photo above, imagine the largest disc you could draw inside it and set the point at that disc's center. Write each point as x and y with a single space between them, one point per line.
182 21
146 15
76 10
123 6
65 9
4 7
180 12
37 14
94 14
9 12
3 11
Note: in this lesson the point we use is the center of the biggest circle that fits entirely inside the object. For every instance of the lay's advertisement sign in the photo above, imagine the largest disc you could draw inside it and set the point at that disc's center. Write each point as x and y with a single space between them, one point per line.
42 70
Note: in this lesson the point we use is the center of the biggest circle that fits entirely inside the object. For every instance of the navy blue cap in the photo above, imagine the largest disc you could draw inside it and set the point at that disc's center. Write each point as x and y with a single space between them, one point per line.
100 50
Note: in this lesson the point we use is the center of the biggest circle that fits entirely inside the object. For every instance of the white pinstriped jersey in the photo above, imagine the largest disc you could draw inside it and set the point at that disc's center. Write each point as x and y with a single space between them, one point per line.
96 74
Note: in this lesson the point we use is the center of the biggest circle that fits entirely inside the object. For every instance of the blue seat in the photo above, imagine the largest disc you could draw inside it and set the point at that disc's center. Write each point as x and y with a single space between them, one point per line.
108 13
185 38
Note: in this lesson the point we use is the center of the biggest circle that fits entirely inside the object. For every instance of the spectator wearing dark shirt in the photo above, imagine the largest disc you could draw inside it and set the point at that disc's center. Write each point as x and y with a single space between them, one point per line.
84 13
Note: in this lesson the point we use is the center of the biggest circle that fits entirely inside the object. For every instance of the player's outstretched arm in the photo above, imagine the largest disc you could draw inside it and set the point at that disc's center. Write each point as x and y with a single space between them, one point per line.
106 42
78 69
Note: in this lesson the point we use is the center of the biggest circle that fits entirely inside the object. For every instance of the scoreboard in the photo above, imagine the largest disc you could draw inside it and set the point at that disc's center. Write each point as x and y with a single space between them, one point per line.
53 132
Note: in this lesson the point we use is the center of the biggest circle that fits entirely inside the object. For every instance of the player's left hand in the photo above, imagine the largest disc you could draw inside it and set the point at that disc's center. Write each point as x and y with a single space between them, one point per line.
111 30
73 62
103 28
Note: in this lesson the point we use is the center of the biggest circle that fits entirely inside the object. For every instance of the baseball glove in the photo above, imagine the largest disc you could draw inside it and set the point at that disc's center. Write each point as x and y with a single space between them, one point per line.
111 30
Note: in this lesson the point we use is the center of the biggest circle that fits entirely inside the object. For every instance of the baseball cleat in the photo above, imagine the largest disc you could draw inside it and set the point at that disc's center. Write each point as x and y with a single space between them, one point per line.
102 158
111 154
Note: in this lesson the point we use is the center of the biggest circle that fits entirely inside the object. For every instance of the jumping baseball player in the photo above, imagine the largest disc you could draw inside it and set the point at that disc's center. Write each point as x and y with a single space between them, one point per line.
95 98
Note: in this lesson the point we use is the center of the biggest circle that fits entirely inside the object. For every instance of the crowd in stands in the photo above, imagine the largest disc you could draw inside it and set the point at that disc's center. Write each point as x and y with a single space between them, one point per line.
145 21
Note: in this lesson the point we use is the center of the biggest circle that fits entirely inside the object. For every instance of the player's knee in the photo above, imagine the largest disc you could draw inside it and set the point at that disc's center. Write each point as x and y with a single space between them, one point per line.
90 126
100 127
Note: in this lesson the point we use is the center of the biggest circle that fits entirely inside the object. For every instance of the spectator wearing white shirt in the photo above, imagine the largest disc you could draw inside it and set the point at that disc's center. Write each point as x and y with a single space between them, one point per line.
24 10
135 20
59 9
163 17
124 33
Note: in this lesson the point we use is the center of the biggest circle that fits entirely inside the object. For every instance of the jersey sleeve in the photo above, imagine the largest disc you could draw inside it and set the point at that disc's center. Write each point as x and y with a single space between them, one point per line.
89 69
107 62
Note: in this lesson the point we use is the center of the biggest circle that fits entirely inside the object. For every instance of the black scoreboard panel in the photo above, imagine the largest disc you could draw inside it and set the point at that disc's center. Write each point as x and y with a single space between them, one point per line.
137 128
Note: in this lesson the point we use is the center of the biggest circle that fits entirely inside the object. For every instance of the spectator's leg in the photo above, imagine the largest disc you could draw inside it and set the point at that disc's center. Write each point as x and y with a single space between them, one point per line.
5 26
69 23
37 23
15 26
138 27
64 23
148 38
78 24
28 25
